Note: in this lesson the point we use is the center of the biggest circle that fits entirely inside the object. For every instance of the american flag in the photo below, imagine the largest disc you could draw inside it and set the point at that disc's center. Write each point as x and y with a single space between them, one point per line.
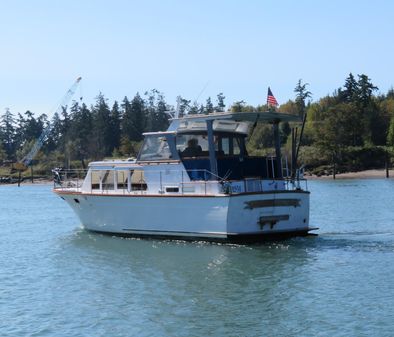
271 100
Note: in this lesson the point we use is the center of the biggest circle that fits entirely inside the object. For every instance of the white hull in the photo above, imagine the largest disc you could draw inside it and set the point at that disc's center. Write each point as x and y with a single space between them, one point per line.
220 217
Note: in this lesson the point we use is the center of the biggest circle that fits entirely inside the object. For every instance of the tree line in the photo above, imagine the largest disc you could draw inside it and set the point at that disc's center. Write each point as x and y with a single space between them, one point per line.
353 127
81 133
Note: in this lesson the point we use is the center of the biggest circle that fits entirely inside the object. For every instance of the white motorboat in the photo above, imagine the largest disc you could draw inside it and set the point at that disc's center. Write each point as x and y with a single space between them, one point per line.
194 181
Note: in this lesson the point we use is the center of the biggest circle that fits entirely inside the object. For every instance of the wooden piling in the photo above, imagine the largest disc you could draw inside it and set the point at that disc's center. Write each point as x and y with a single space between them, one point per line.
334 166
387 164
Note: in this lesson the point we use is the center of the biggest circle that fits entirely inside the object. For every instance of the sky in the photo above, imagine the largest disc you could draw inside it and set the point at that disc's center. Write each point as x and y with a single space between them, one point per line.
195 49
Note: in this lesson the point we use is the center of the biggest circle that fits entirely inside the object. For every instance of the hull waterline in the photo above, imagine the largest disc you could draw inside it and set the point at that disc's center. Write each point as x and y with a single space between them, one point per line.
236 218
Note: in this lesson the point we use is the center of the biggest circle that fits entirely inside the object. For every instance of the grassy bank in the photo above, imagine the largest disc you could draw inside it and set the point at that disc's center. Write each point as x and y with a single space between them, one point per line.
322 162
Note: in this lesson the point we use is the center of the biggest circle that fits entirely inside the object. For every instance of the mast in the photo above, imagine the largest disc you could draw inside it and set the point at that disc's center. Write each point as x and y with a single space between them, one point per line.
277 149
212 155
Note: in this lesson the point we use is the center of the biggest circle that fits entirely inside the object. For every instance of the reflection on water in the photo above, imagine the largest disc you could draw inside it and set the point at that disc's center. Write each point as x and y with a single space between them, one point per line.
58 279
192 284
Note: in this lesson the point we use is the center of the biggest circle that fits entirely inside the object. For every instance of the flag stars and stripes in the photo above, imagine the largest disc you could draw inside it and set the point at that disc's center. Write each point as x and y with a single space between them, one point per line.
271 100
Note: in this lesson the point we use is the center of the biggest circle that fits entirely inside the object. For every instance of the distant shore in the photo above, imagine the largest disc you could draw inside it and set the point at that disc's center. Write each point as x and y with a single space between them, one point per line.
367 174
38 181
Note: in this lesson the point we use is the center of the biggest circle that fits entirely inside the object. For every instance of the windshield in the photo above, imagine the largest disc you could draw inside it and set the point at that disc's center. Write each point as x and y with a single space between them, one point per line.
155 147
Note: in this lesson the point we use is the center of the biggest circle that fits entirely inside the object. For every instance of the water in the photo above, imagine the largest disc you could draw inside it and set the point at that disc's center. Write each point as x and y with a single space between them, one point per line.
59 280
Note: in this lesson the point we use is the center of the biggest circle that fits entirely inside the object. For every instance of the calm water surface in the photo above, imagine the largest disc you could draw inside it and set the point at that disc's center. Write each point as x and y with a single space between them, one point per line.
59 280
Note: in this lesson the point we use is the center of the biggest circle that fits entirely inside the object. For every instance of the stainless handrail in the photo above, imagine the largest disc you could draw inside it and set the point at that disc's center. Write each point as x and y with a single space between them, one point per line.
73 179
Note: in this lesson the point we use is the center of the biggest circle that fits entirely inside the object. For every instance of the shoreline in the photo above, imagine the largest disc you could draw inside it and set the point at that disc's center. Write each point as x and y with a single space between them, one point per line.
366 174
27 182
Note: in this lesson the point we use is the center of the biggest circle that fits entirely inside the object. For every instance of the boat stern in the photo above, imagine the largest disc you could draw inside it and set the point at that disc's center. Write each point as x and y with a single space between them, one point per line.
276 214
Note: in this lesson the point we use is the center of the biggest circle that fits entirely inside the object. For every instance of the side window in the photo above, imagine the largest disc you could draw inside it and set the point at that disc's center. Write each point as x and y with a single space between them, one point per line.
229 146
236 146
95 179
138 182
226 146
121 179
108 180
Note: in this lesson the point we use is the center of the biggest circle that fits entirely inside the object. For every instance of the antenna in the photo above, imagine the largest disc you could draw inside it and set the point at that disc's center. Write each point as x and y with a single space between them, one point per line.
175 113
202 90
178 107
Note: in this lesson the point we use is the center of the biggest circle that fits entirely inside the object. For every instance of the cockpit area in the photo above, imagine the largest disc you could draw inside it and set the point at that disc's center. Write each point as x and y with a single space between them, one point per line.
225 158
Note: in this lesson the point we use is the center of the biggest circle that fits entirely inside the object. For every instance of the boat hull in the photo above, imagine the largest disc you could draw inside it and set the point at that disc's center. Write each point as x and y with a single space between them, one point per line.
235 218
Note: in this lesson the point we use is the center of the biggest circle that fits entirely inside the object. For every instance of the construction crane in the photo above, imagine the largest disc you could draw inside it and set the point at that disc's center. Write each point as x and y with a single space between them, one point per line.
26 161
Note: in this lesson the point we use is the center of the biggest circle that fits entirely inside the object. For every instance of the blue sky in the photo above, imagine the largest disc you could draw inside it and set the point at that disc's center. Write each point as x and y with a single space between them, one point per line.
237 47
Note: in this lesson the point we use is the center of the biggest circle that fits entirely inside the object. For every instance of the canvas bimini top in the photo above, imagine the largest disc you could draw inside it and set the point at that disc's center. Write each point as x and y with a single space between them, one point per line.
267 116
238 122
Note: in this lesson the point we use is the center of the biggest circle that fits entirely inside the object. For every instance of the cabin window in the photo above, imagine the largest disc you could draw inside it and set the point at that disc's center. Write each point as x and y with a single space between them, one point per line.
138 182
122 179
155 147
237 143
225 145
228 145
95 180
108 180
192 145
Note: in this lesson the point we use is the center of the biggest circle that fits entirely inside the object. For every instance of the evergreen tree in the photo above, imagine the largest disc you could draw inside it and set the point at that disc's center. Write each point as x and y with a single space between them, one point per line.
368 111
64 130
220 103
301 95
7 124
102 127
183 105
20 131
390 135
138 118
156 107
134 118
115 126
150 109
126 122
33 127
351 89
194 109
365 88
209 106
3 154
54 137
80 133
161 117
